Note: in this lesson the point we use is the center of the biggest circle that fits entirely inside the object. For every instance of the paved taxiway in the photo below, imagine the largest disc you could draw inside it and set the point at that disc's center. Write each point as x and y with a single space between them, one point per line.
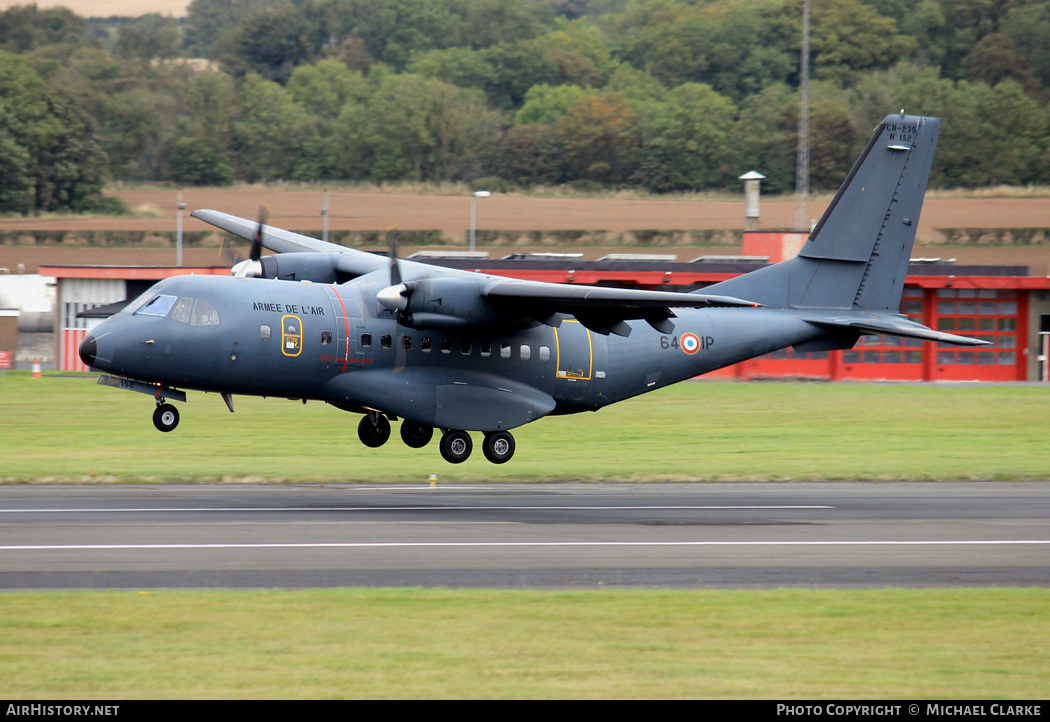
526 535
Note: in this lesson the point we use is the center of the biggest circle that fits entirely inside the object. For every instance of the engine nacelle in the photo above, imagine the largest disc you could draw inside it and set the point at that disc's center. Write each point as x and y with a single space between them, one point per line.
316 267
440 304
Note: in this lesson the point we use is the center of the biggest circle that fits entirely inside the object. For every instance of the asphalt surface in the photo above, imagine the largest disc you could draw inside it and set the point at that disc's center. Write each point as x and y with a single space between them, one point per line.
542 536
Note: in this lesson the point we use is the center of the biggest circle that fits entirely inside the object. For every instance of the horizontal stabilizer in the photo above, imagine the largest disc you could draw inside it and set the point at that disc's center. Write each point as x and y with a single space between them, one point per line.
893 326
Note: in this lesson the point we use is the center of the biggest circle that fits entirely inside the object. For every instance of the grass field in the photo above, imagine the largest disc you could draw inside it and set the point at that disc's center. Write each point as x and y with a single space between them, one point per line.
437 643
412 643
68 429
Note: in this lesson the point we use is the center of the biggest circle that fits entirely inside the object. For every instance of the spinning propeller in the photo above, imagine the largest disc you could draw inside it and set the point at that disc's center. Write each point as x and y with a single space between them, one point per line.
394 296
252 267
400 290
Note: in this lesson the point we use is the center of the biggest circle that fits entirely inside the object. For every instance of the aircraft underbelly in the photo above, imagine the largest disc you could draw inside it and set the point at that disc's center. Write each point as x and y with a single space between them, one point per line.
472 401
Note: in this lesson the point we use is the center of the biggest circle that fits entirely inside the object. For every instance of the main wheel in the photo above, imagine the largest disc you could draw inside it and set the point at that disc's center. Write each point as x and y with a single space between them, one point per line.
374 430
165 417
416 435
456 446
498 447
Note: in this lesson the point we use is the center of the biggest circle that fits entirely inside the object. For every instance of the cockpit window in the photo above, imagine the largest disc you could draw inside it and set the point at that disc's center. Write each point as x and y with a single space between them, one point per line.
157 306
182 310
204 314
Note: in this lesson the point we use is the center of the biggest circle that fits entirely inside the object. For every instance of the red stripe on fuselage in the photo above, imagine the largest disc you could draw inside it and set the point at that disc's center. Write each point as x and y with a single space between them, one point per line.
346 321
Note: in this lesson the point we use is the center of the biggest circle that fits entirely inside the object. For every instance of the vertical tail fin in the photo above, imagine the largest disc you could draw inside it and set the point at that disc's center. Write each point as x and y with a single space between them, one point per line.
857 255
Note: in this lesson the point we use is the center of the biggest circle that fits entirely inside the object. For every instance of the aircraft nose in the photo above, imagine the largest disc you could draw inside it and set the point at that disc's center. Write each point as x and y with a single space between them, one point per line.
88 350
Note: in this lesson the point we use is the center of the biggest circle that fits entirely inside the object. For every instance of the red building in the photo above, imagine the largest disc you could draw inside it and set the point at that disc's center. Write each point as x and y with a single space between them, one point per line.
1001 304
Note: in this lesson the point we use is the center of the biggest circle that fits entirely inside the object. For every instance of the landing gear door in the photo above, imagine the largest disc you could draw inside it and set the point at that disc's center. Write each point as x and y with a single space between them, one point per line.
575 350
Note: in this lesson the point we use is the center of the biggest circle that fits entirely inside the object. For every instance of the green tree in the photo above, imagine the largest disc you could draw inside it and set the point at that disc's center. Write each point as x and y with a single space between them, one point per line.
974 149
16 180
600 138
464 67
150 36
833 144
50 144
207 20
1029 27
516 67
26 27
416 128
579 50
764 137
392 31
139 126
530 154
270 42
200 161
686 143
735 47
995 59
545 104
324 87
847 37
270 129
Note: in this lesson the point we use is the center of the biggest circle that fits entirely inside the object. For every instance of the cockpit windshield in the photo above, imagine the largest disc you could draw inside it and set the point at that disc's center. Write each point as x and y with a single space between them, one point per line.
194 311
157 306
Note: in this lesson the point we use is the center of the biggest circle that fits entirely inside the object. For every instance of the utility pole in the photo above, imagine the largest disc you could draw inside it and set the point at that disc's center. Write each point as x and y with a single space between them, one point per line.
802 163
178 230
324 216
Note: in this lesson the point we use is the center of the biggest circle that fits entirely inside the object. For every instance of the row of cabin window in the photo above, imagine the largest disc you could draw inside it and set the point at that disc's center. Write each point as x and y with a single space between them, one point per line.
465 347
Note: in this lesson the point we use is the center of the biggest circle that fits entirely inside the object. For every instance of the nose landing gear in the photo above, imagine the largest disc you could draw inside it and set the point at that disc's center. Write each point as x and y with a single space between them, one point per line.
165 417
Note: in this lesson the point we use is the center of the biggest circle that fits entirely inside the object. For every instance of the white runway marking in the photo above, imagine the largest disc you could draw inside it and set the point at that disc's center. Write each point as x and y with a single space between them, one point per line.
142 510
390 545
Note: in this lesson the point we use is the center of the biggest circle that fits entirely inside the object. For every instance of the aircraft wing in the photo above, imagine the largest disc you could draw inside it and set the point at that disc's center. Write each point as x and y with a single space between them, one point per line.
893 326
281 241
601 309
435 297
568 298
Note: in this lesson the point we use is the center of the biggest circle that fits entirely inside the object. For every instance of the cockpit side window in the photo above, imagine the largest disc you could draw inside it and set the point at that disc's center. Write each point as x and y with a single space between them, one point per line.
182 310
157 306
204 314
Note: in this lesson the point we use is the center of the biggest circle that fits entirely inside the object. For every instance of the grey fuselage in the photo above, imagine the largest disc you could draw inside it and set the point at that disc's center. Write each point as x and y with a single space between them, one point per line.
337 344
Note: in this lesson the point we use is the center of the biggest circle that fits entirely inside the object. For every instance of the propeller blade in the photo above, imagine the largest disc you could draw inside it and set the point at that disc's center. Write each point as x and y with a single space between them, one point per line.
391 244
256 252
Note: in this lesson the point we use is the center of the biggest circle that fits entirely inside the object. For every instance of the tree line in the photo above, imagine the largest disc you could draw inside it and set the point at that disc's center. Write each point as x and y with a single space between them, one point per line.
666 95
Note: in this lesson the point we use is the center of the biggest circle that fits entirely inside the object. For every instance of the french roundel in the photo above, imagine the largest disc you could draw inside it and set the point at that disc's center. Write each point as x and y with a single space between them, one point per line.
690 343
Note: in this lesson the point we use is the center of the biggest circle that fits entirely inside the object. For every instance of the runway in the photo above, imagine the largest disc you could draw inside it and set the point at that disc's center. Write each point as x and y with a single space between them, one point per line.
542 536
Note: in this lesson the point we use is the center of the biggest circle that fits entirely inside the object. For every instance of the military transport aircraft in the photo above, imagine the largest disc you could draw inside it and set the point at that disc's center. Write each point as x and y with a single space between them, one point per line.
460 351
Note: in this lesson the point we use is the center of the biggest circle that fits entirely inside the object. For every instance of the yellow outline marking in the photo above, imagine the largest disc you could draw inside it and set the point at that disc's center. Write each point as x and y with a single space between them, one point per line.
295 336
590 351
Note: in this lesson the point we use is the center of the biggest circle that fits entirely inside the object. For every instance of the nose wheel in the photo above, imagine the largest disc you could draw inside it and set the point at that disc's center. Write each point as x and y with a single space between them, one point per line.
165 417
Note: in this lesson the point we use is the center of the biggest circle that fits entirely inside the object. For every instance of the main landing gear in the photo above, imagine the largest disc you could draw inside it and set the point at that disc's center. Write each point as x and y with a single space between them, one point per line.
455 446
